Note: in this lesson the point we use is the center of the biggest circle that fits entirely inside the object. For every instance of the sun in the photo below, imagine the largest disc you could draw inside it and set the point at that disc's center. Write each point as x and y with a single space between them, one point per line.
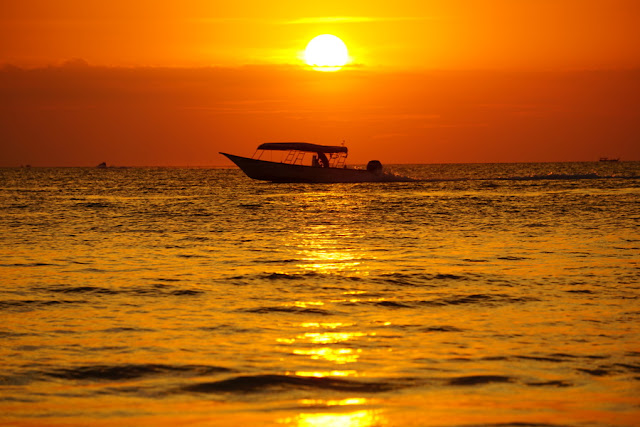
326 53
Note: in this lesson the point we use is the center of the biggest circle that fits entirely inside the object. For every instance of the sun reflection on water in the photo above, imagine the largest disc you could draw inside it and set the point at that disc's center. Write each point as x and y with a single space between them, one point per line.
364 418
325 325
317 345
330 337
340 402
327 249
307 304
327 261
322 374
339 356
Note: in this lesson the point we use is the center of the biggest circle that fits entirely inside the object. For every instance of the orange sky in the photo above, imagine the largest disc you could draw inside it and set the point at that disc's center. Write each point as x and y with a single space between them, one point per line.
143 83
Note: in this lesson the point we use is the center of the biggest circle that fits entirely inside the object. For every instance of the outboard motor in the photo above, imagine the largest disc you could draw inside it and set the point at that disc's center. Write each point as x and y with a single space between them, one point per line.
374 166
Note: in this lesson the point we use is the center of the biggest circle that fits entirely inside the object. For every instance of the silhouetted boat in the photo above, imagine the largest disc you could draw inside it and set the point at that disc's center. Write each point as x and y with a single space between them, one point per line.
607 159
327 165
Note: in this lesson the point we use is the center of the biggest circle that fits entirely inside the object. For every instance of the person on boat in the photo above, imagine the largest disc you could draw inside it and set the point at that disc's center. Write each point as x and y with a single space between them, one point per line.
322 160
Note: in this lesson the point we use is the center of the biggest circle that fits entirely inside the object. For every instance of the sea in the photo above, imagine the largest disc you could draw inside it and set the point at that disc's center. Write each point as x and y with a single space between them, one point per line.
479 295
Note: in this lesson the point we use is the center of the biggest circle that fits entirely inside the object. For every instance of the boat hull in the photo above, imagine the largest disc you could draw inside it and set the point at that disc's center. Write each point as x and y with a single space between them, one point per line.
283 172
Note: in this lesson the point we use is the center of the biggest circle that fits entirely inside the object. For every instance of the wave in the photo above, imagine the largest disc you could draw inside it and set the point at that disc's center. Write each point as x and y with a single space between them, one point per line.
94 205
288 309
255 384
471 380
480 299
472 299
131 371
287 276
275 382
127 329
271 383
418 279
159 289
443 328
390 304
241 383
28 305
83 290
12 334
28 264
557 176
551 383
552 176
402 279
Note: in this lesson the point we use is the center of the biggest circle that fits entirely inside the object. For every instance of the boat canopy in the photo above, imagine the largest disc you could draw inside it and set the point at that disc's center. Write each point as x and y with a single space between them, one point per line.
302 146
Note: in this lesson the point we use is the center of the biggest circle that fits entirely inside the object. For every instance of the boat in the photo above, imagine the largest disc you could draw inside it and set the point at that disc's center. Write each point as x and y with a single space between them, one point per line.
326 164
608 159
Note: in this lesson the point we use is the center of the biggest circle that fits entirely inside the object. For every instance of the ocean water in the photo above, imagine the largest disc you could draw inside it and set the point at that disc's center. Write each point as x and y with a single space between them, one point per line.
504 294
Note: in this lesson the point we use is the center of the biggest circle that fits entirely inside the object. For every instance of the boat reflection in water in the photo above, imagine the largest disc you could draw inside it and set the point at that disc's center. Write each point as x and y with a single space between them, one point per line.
327 165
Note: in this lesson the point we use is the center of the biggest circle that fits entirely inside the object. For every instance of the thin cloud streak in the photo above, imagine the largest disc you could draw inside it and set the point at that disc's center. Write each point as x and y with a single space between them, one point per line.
354 19
314 20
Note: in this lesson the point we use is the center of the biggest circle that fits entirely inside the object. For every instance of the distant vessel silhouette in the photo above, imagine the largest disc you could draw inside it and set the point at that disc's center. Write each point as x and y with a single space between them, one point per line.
607 159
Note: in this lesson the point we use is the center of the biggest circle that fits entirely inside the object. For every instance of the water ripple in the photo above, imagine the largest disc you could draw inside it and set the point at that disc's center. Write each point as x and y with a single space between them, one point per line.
131 371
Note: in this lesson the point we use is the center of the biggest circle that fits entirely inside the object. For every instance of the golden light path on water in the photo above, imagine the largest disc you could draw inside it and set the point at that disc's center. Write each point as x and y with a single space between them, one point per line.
323 249
364 418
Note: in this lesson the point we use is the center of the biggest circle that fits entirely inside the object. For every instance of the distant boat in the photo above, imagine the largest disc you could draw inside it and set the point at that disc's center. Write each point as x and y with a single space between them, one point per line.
327 165
102 165
607 159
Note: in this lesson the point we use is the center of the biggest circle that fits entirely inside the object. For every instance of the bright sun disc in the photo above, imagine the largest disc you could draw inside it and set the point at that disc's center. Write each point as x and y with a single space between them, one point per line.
326 53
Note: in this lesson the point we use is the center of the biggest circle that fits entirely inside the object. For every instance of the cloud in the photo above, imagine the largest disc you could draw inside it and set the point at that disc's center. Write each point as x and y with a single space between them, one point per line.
75 63
352 19
79 114
312 20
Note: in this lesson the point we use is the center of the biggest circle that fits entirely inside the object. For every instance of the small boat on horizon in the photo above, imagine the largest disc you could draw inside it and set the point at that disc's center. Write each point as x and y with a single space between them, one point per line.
327 165
608 159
